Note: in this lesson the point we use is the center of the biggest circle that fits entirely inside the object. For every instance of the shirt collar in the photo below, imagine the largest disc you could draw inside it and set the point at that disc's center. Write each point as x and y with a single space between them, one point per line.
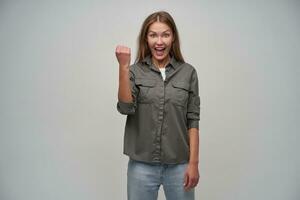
148 61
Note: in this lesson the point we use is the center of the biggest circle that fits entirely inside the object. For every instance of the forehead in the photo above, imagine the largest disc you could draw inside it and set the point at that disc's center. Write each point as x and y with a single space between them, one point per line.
159 27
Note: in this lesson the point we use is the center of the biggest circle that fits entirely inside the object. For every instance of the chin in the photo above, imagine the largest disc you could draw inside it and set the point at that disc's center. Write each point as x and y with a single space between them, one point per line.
160 58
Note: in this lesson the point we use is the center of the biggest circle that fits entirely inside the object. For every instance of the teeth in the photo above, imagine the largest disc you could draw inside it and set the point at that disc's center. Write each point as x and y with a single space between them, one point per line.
159 49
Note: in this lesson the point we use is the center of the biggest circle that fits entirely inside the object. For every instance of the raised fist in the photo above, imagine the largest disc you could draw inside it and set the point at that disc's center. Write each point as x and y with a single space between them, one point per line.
123 55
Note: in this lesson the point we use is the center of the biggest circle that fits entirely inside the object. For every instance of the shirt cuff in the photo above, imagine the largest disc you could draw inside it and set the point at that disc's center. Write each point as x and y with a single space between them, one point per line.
193 124
125 108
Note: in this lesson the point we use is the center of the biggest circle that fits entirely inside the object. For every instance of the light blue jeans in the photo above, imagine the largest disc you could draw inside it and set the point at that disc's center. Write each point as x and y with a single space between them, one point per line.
144 180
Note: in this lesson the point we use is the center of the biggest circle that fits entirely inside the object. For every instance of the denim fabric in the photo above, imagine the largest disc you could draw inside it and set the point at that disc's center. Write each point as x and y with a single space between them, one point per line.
144 180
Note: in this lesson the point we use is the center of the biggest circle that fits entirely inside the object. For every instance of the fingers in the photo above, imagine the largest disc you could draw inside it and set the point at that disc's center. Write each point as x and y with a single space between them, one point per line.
191 182
123 55
122 50
186 180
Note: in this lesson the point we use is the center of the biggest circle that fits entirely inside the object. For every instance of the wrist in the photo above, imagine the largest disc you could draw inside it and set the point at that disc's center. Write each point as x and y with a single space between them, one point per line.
124 67
193 162
123 72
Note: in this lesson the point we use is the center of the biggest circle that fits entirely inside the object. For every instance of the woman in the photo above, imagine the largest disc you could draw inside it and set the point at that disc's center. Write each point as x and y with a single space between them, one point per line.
159 94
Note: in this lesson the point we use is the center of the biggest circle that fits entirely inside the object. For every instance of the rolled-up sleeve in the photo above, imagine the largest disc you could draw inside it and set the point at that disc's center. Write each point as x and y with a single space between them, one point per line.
193 109
128 108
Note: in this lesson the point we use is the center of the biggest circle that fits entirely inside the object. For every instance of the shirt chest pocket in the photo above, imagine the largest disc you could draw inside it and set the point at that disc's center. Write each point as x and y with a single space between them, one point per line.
146 90
180 93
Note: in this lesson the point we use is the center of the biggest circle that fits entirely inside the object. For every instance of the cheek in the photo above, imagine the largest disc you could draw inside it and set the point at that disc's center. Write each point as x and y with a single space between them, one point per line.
168 42
169 45
150 42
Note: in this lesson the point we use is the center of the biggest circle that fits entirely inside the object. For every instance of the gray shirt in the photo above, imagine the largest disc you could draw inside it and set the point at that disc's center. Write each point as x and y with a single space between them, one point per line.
161 113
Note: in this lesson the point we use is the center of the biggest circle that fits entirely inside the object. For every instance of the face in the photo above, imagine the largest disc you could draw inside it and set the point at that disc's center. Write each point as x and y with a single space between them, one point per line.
159 39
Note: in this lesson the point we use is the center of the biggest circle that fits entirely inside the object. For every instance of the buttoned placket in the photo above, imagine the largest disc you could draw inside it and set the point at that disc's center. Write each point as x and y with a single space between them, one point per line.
158 153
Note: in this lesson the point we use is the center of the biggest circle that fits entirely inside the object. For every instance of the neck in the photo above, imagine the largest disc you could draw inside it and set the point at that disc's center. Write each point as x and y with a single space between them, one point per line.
161 64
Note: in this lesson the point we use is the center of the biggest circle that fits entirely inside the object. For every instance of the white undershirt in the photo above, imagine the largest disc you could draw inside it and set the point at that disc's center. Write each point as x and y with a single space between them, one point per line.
163 72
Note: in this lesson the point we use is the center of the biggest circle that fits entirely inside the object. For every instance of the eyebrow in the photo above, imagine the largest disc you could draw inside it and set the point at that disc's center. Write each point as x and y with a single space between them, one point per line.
163 31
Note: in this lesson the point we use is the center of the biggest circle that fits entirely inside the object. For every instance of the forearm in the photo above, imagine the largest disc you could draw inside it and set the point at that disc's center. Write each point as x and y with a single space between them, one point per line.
124 92
194 145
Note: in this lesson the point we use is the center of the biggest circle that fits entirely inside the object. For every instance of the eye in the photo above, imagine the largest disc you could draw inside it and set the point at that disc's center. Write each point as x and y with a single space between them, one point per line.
166 35
152 35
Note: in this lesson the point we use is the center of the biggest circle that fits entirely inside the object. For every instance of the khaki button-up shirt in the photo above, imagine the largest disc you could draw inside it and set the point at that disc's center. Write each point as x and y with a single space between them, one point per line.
161 113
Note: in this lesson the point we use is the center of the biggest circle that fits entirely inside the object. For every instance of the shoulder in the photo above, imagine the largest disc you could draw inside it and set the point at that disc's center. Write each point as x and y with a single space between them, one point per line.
136 68
189 67
133 67
139 68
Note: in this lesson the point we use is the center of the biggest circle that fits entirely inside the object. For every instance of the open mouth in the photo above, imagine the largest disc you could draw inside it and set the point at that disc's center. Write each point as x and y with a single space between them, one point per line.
159 51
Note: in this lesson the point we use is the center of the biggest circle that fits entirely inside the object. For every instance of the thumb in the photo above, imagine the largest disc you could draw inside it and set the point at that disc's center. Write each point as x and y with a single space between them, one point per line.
186 179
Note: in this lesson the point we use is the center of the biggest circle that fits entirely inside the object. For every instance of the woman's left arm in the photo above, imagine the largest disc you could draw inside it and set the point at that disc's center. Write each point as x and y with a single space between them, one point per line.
192 176
194 145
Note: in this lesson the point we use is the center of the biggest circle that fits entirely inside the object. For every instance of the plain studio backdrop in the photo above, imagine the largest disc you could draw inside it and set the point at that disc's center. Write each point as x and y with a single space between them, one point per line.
62 137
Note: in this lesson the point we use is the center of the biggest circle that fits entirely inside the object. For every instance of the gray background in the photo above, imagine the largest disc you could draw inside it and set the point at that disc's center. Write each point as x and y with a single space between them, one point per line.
62 137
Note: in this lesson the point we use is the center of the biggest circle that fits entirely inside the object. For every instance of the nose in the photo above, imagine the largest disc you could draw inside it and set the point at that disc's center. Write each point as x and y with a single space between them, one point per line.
159 40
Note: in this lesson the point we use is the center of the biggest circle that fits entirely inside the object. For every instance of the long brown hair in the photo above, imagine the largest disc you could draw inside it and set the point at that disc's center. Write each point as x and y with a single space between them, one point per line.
164 17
